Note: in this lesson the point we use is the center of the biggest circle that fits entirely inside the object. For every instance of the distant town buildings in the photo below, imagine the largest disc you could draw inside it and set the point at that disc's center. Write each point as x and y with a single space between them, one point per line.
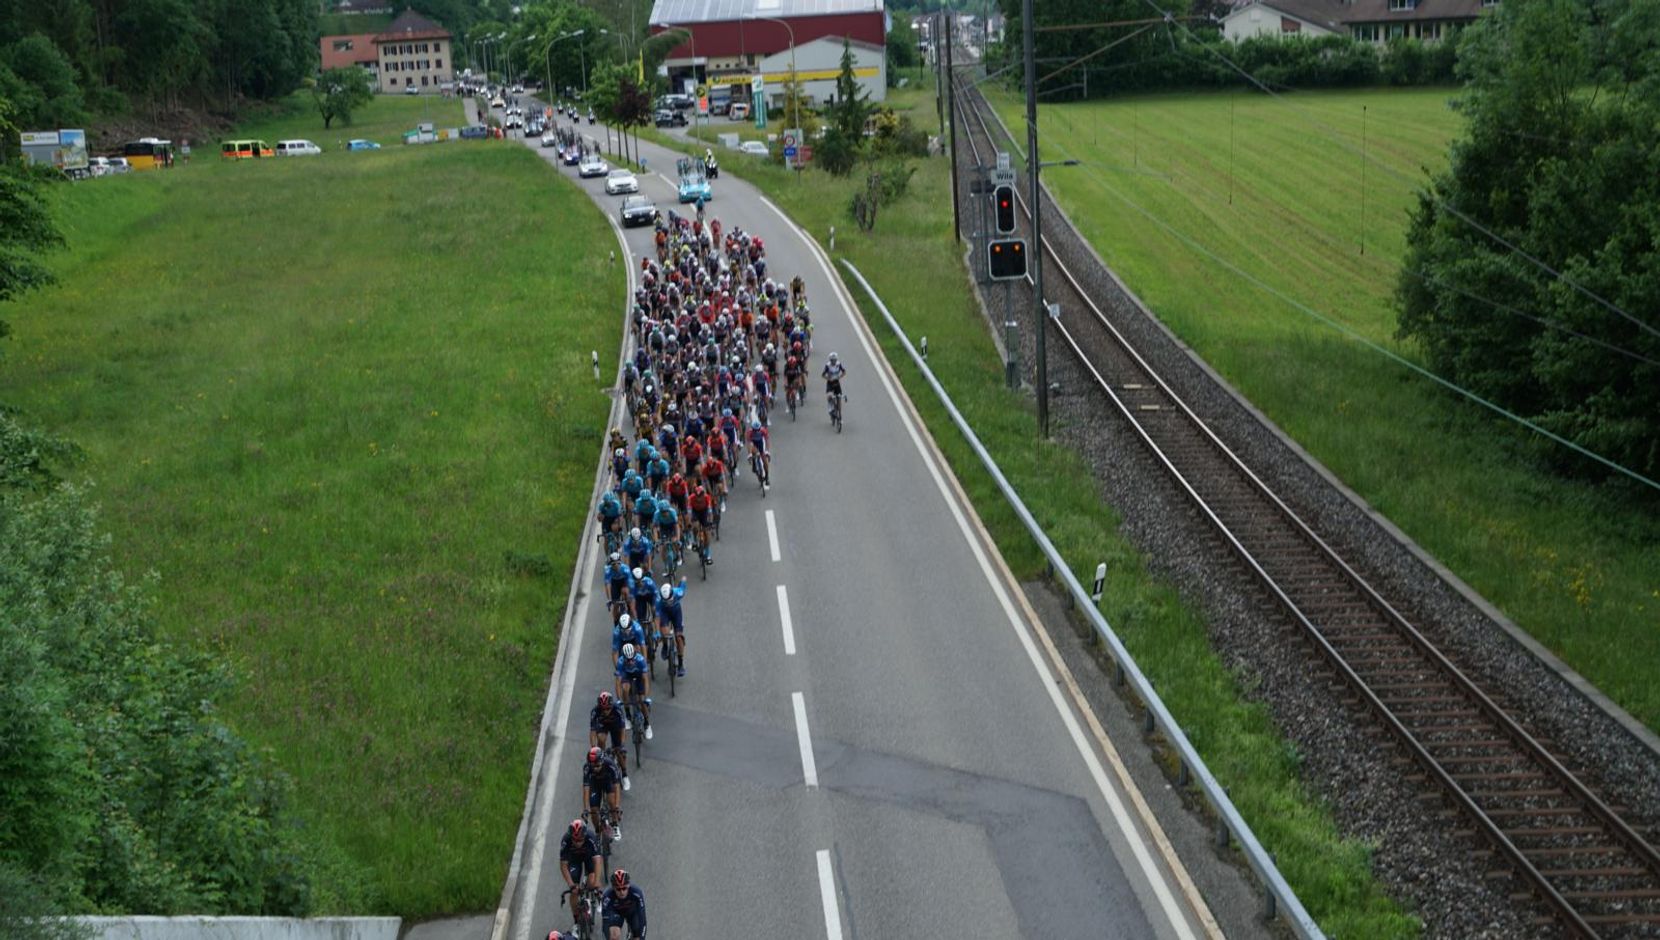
413 52
1376 21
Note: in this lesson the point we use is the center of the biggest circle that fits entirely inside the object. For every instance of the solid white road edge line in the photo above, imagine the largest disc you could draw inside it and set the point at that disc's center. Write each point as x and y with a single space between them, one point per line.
827 894
809 769
567 683
784 617
772 535
1138 845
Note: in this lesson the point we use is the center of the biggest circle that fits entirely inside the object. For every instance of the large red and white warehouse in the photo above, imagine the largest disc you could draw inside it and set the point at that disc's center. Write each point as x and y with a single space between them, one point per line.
737 46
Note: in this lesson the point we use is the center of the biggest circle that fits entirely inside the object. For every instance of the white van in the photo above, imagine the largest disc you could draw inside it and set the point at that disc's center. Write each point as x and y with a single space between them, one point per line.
297 148
739 111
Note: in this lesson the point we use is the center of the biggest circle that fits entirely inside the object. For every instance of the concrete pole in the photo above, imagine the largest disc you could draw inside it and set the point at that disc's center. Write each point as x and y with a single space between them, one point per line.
1035 260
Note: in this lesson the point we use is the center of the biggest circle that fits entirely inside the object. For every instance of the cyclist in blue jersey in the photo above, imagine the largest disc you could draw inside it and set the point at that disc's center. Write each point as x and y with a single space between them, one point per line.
644 590
632 484
634 682
657 472
617 578
670 617
645 510
626 630
610 512
637 548
619 464
729 429
643 453
668 524
758 446
579 855
625 905
668 440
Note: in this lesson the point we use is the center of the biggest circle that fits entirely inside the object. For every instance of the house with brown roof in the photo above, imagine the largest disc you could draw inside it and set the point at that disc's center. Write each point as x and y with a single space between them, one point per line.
340 52
414 52
1374 21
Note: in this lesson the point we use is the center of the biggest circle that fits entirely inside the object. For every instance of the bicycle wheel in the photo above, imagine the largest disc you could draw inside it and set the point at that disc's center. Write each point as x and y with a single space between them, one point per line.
669 661
639 738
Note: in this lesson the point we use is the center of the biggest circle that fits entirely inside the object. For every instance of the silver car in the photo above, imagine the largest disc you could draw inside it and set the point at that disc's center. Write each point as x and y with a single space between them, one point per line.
621 181
592 166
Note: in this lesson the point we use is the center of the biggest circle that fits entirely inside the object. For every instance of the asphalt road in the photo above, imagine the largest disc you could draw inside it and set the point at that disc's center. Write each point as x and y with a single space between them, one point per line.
950 792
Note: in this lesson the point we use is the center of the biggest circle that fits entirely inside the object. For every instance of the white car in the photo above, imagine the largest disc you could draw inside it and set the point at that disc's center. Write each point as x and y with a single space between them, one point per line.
548 140
592 165
297 148
99 166
498 103
620 181
754 148
120 165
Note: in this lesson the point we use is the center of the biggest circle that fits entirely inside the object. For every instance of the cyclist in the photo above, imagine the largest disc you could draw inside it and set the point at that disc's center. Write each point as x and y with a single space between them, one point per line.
624 904
761 390
701 506
692 453
678 488
668 527
833 373
606 719
610 513
619 463
634 675
616 441
645 593
758 448
638 549
645 511
794 378
670 618
657 472
601 780
729 429
632 484
617 580
626 630
580 855
644 452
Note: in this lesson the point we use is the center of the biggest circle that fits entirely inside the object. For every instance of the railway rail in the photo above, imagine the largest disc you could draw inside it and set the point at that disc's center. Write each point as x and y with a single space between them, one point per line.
1562 850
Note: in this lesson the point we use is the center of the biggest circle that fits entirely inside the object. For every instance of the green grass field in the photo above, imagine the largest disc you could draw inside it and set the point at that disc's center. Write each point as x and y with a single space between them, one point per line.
914 263
337 403
383 120
1575 564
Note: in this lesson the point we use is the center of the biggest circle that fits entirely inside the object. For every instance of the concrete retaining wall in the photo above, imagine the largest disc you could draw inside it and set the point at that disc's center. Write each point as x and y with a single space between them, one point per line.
243 928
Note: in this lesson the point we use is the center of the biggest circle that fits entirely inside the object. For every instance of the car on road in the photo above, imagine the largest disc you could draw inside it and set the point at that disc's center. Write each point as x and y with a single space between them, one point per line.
693 188
548 140
475 132
638 210
99 166
358 143
620 181
668 117
498 102
120 165
411 90
680 102
739 111
573 157
754 148
297 148
592 165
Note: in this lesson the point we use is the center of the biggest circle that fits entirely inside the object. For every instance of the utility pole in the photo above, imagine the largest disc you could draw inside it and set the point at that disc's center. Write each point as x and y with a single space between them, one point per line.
1039 312
951 109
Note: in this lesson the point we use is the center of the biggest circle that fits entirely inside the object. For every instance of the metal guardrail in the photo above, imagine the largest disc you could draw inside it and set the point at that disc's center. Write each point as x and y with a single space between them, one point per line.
1280 900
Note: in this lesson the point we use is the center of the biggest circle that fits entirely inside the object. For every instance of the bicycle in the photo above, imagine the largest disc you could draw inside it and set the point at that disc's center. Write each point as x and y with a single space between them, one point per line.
791 399
585 909
703 550
671 557
636 718
670 655
836 411
761 466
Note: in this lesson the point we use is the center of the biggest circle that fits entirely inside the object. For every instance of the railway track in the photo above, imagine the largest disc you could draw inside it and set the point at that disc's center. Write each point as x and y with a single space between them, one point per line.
1538 829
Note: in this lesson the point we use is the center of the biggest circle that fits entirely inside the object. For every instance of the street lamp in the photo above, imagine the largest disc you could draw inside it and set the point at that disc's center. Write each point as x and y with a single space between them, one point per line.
548 54
794 76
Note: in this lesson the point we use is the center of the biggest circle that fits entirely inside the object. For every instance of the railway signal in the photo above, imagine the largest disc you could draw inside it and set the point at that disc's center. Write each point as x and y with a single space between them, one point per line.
1003 201
1006 259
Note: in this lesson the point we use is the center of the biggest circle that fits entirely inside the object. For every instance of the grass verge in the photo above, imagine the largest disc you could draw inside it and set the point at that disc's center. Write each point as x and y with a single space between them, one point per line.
915 265
329 400
383 120
1276 188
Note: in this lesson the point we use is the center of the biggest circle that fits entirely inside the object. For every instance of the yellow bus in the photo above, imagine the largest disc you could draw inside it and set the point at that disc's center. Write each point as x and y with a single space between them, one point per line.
148 153
244 149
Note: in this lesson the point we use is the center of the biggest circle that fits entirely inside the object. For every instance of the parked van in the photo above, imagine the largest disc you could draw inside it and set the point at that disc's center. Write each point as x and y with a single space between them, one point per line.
244 149
297 148
739 111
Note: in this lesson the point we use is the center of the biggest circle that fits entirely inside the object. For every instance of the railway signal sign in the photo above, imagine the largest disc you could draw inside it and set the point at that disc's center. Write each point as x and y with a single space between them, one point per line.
1006 259
1002 199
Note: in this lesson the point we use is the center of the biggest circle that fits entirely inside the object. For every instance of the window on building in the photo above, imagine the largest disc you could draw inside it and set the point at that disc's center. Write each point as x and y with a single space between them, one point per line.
423 79
437 47
1397 31
438 64
1489 3
342 45
1289 25
1401 5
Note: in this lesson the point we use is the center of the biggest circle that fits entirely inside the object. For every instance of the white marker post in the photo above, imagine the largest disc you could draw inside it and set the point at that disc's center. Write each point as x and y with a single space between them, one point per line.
1100 581
924 348
595 355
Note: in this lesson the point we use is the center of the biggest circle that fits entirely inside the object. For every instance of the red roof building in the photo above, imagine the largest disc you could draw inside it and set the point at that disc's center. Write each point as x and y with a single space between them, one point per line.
340 52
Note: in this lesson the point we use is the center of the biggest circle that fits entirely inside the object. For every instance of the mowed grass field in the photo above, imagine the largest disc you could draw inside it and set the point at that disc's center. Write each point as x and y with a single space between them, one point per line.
914 263
383 120
1575 564
342 406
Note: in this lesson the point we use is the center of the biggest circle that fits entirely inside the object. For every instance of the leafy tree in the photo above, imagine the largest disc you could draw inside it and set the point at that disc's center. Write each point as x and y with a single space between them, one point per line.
41 84
339 92
798 108
1561 159
902 48
26 228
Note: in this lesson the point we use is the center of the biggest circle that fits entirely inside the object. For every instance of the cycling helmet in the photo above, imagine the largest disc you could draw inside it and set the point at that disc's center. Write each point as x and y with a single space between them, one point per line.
619 452
624 621
578 827
628 653
726 412
619 880
834 358
605 700
634 533
666 590
639 573
755 425
677 478
759 368
615 556
593 755
769 348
